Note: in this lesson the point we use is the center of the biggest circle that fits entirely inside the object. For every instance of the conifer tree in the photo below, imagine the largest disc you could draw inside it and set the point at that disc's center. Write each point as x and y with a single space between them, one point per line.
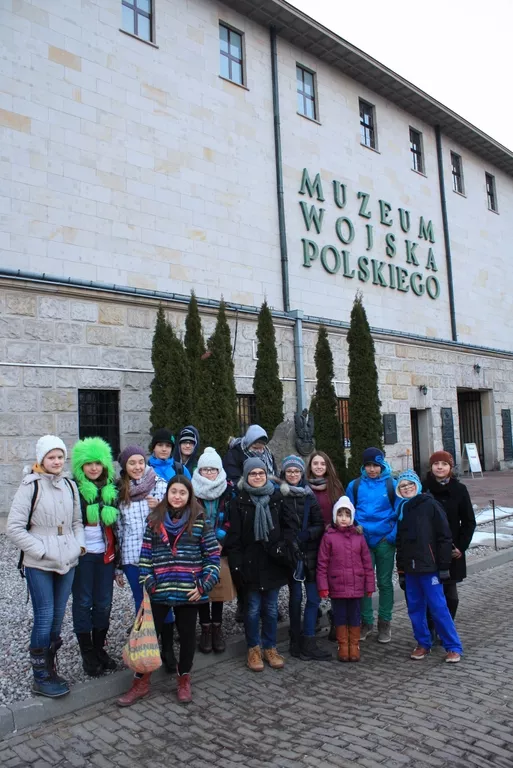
161 383
267 385
179 404
224 395
364 402
324 405
201 386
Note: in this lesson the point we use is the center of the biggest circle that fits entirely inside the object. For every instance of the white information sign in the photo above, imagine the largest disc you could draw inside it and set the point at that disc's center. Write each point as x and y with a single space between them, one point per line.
474 464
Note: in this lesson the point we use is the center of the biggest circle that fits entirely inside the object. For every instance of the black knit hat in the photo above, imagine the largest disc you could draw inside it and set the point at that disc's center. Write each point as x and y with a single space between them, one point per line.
162 436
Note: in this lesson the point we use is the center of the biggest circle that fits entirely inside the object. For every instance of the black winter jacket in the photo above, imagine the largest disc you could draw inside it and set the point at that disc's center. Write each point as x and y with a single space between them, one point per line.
233 462
258 564
296 506
455 500
424 541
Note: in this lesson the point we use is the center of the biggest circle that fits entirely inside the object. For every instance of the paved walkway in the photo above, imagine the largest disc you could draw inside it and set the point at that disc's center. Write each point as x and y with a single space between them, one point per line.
386 712
493 485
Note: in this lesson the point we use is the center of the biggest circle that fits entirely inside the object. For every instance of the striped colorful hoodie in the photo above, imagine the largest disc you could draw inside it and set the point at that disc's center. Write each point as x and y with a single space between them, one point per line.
174 570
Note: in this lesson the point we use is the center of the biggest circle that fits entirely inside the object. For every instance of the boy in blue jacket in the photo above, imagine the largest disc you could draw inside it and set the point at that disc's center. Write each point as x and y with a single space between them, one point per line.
164 465
373 496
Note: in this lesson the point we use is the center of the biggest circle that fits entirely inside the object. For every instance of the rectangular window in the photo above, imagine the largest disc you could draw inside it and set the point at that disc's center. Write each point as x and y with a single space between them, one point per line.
491 192
137 18
457 173
367 125
416 150
343 417
246 411
305 83
231 56
98 415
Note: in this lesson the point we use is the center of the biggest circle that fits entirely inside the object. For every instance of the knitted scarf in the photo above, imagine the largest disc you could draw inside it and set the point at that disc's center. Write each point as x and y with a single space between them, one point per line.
207 489
139 489
173 526
318 483
99 501
266 457
263 519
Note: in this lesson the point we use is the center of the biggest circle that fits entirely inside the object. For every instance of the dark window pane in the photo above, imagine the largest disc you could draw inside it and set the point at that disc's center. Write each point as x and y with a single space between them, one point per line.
127 19
143 27
98 416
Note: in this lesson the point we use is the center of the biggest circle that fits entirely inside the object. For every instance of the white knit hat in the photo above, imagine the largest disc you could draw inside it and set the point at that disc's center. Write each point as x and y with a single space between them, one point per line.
210 458
48 443
343 503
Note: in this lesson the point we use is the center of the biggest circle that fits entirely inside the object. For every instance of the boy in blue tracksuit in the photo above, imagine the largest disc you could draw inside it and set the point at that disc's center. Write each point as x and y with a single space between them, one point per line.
373 496
161 460
424 555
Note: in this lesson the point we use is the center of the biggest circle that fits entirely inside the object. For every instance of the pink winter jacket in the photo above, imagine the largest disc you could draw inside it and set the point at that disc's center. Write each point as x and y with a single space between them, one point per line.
344 565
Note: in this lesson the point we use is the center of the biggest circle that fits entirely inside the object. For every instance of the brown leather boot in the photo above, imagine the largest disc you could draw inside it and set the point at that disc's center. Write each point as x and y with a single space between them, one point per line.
273 658
183 691
139 689
354 643
255 662
343 643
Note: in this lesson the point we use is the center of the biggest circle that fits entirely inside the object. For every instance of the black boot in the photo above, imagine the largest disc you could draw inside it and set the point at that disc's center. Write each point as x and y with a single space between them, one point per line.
295 645
168 651
310 651
90 661
218 641
99 637
205 643
55 645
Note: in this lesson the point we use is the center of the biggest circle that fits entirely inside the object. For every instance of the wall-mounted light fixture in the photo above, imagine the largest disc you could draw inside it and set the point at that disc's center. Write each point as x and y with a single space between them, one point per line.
423 389
477 368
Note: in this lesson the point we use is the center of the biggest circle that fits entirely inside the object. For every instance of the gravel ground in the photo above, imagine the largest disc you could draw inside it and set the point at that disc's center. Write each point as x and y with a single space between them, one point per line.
16 617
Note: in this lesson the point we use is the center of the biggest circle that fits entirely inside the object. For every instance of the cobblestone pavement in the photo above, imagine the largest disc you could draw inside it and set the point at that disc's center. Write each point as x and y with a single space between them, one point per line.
387 711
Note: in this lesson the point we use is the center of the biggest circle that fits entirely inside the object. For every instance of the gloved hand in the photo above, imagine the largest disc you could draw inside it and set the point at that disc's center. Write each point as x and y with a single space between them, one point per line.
150 584
323 594
402 581
444 575
303 535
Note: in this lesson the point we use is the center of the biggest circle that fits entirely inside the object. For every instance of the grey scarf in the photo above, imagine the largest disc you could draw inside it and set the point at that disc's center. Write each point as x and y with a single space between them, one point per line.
263 519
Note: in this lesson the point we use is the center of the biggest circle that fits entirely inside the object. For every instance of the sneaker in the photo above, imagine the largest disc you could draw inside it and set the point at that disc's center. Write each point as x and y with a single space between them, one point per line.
254 660
273 658
452 657
384 631
365 631
420 653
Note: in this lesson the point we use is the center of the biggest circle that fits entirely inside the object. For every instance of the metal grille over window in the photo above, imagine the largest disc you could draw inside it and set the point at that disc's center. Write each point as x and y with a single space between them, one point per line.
367 125
416 150
98 415
230 54
246 411
343 417
306 93
137 18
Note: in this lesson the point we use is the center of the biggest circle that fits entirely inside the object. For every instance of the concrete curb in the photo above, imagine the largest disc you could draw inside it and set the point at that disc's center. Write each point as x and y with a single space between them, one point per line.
31 712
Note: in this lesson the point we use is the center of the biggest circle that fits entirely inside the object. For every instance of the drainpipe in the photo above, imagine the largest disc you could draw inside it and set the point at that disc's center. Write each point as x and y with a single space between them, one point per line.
279 174
297 314
447 237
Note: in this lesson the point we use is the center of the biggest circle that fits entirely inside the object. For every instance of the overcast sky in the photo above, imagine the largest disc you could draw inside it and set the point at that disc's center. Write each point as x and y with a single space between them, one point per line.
459 51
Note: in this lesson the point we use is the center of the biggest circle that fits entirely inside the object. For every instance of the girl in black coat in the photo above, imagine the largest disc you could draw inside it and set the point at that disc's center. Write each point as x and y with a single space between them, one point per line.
455 499
256 545
306 517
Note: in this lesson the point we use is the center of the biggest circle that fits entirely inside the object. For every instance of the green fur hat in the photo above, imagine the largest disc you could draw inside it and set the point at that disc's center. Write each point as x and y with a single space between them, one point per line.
99 501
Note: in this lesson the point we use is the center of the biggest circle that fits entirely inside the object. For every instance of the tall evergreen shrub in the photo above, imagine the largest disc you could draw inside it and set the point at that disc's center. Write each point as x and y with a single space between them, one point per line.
224 394
267 385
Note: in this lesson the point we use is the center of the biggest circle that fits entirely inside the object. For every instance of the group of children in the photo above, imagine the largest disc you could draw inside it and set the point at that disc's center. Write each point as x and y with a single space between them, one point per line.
165 522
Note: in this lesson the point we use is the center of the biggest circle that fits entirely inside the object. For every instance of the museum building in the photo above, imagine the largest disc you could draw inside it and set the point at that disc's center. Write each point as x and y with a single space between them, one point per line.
240 150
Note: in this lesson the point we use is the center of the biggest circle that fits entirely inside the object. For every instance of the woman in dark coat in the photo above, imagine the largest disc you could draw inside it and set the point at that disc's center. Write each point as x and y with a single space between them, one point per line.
455 499
256 545
305 515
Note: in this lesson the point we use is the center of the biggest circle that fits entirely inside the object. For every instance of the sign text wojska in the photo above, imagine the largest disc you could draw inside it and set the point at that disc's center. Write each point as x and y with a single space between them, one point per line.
417 249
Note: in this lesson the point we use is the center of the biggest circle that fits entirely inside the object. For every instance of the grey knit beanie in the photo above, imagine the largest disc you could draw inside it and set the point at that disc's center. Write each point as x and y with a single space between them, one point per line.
250 465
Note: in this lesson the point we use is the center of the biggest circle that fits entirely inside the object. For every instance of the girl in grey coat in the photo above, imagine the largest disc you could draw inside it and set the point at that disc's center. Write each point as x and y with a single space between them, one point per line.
45 522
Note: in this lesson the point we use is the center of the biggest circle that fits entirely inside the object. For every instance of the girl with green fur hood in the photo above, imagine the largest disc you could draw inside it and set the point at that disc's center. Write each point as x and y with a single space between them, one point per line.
93 472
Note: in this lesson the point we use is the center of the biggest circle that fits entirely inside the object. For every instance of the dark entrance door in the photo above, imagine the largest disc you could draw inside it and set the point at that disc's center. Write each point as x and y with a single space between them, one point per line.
415 442
471 421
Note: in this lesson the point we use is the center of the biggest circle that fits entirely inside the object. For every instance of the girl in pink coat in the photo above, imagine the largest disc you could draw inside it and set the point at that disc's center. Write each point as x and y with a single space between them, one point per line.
345 573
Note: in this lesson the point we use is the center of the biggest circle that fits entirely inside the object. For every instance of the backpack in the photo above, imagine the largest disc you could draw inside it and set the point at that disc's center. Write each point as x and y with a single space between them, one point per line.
33 503
390 491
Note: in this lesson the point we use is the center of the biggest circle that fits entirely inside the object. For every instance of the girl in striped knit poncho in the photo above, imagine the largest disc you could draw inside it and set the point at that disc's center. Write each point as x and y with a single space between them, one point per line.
179 565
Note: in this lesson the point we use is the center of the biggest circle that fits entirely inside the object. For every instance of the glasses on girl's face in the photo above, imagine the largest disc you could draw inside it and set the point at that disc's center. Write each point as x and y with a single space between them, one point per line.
408 485
209 470
293 472
256 475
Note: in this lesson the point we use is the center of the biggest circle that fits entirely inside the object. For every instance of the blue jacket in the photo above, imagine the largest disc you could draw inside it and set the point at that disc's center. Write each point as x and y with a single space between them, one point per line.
373 510
165 468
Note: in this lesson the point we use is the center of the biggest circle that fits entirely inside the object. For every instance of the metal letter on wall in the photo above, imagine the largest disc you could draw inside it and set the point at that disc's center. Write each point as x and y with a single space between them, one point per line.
507 436
448 431
390 428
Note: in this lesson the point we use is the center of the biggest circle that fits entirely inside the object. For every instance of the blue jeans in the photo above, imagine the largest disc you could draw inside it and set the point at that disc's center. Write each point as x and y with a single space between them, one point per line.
132 576
425 591
92 593
312 604
49 593
262 603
